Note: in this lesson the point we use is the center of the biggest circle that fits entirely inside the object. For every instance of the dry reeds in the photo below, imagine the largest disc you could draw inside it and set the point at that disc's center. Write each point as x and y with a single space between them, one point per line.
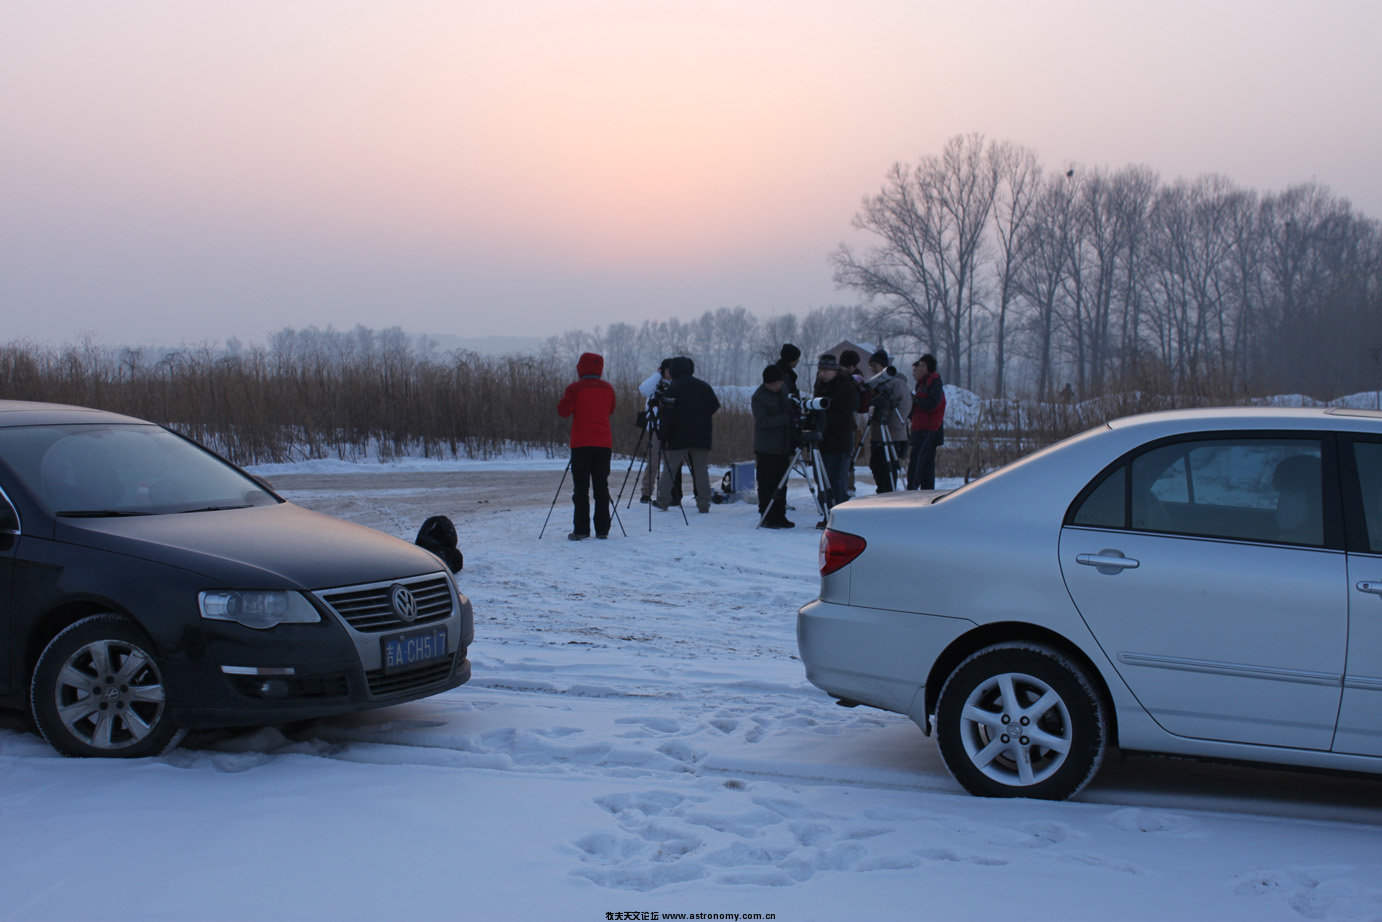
364 395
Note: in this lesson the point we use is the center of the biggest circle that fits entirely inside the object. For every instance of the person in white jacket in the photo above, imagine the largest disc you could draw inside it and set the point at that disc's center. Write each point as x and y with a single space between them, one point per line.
889 412
649 391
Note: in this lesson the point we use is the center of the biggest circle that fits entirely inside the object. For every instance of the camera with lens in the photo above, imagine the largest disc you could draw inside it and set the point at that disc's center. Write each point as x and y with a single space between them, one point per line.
809 419
881 402
658 405
662 405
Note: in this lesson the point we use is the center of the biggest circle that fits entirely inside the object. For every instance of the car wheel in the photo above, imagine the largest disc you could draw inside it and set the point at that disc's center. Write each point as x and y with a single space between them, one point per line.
1021 720
98 691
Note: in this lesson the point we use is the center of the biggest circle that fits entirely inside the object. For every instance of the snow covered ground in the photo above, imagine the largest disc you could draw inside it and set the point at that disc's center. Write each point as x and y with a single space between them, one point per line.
639 739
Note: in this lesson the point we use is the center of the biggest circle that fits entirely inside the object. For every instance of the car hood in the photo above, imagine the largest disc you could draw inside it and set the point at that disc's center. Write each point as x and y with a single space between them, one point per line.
261 547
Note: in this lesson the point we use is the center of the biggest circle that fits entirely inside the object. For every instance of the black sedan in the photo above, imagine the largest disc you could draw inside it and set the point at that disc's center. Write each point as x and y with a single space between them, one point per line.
148 586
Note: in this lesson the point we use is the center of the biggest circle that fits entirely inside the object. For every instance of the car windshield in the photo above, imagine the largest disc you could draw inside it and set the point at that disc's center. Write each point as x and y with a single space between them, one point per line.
114 470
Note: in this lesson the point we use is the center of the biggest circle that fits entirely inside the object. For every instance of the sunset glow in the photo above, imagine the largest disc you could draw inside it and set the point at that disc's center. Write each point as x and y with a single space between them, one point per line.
216 169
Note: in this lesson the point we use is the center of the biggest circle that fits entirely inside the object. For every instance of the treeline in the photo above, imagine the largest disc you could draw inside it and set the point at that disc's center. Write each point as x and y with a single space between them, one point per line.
319 393
1024 279
385 394
1073 283
729 345
308 394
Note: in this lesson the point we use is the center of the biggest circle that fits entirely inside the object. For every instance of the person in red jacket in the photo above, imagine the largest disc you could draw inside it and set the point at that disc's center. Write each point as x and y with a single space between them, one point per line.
928 424
589 402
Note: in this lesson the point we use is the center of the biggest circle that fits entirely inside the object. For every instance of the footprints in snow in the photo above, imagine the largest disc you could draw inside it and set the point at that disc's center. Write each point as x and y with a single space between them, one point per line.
732 836
666 838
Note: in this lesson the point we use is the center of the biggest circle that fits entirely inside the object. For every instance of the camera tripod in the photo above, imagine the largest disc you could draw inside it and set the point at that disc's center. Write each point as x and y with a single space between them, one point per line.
808 453
645 461
878 434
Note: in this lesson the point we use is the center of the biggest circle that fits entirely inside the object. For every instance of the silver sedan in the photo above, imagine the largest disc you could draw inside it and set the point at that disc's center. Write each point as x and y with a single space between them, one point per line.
1201 583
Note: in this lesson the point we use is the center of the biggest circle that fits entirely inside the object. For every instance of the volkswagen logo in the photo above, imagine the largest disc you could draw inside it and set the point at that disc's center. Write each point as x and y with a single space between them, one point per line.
404 605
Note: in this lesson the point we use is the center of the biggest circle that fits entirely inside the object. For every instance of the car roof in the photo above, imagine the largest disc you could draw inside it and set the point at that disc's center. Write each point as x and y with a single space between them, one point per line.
31 413
1325 418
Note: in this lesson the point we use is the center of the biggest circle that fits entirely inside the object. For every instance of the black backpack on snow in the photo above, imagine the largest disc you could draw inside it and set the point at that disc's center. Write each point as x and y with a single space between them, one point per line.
438 535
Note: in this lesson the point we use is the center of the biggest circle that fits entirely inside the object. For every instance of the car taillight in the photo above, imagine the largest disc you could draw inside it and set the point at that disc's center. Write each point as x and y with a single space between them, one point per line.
839 548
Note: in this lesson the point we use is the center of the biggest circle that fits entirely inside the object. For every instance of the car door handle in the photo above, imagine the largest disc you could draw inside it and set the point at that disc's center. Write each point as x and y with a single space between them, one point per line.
1369 585
1108 562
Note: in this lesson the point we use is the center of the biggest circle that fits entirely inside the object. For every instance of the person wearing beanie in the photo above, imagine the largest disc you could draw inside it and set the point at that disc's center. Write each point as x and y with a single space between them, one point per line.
589 402
790 356
928 424
889 416
772 447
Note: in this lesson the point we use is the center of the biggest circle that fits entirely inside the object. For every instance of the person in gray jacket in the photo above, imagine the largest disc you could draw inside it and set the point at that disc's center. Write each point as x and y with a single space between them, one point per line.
772 446
889 413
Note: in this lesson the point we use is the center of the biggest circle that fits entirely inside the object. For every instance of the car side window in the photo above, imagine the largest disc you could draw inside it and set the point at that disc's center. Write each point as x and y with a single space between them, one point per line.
1368 456
1245 489
1104 507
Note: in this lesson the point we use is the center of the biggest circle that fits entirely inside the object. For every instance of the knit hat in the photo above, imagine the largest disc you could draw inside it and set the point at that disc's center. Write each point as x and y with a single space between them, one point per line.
790 353
849 357
879 358
828 361
772 373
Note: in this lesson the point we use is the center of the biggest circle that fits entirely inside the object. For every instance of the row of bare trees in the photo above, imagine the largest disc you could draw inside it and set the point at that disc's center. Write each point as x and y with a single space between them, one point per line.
729 345
317 393
1020 278
308 394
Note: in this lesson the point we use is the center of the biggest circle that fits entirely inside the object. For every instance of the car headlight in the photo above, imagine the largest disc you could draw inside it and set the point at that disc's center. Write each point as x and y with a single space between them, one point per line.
257 608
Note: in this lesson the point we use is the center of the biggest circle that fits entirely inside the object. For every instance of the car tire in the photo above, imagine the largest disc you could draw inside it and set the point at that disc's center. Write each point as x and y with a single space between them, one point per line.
98 690
1021 720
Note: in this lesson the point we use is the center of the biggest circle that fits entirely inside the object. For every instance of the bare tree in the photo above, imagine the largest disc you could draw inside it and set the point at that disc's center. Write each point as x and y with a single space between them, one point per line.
774 333
621 355
734 331
1042 276
931 222
1019 176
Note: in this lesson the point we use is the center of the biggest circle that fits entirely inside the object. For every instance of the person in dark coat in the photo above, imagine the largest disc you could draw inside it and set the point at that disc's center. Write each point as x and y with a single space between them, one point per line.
686 431
772 447
589 402
790 357
837 439
849 370
928 424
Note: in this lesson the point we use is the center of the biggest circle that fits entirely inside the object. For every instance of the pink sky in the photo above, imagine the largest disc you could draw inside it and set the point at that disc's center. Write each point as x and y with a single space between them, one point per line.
177 171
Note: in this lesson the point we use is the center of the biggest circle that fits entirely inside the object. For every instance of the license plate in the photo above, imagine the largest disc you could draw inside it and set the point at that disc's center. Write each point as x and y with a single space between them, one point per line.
413 647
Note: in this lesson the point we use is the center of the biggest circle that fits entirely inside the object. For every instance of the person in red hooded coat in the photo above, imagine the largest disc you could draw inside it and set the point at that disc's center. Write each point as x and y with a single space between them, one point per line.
589 402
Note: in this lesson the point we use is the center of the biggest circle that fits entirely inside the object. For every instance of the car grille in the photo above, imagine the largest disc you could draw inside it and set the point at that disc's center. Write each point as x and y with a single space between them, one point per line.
383 684
367 608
